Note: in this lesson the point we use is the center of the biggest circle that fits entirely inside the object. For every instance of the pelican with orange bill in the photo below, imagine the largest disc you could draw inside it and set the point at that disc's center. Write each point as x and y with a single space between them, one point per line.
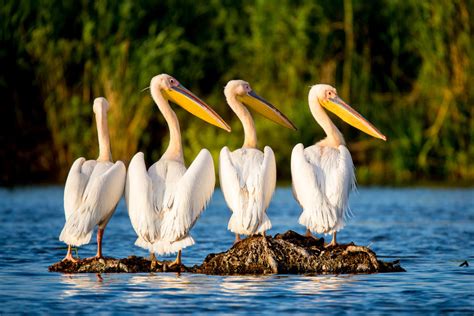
165 200
323 174
248 175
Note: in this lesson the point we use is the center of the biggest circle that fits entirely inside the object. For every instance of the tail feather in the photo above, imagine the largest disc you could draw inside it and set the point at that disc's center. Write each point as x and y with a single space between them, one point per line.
266 224
140 242
78 228
166 247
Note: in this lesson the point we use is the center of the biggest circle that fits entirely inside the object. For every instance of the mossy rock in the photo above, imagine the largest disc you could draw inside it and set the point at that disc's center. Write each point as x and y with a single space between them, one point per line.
288 253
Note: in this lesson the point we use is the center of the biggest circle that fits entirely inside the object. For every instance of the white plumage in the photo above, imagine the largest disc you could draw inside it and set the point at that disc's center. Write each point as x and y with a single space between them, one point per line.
91 194
323 174
322 180
248 175
93 189
165 201
248 179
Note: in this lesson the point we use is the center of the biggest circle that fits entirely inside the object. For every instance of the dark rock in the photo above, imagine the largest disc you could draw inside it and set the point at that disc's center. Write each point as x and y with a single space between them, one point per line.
288 253
131 264
291 253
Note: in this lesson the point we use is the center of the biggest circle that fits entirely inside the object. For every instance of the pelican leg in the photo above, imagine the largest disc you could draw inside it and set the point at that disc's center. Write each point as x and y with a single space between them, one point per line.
308 233
178 260
154 261
100 233
69 256
237 238
333 241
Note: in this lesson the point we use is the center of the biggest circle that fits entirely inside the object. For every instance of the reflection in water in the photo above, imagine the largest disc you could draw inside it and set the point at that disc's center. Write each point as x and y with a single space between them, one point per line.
167 284
304 285
244 285
438 223
76 284
310 285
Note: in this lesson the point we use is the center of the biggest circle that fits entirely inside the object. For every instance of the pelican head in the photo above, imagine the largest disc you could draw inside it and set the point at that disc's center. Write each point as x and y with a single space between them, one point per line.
327 96
100 105
172 90
243 92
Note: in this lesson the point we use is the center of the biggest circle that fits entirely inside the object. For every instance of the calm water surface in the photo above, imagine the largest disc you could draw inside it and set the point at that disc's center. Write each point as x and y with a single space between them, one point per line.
430 230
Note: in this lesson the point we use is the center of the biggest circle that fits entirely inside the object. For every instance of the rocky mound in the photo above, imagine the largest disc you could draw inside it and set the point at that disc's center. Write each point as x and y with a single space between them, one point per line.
288 253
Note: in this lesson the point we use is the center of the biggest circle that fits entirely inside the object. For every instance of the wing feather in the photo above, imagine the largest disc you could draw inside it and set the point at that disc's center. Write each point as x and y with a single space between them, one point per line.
101 196
76 183
229 179
340 181
309 189
141 197
193 192
269 175
248 179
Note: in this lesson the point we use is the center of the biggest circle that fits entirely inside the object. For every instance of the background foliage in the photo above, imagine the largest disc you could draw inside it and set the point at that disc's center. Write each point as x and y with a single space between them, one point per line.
406 65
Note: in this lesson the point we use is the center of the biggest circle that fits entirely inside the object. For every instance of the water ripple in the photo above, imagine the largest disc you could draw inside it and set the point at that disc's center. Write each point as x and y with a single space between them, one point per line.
431 231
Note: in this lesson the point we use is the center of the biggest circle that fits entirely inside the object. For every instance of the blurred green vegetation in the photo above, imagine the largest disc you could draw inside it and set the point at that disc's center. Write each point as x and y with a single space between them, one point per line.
406 65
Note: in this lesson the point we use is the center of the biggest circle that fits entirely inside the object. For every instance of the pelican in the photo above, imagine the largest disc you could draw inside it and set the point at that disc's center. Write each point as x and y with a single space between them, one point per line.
323 174
93 189
165 201
248 175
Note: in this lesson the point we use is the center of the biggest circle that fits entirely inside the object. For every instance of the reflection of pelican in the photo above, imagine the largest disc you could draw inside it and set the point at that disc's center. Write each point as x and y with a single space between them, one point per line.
323 174
93 189
165 201
308 285
168 284
246 285
79 283
247 175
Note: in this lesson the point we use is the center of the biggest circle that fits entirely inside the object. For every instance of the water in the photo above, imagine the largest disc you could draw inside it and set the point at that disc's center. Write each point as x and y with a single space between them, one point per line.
430 230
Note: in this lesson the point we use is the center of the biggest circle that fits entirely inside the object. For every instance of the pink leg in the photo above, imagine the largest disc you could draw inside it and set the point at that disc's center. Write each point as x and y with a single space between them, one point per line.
178 260
308 233
237 238
333 241
69 256
100 233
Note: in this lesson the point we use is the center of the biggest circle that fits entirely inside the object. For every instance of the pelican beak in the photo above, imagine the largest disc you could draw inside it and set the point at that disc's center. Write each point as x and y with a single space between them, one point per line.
265 108
191 103
337 106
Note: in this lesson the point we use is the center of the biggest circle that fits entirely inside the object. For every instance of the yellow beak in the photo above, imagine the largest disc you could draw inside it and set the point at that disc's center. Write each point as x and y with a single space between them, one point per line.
265 108
350 116
191 103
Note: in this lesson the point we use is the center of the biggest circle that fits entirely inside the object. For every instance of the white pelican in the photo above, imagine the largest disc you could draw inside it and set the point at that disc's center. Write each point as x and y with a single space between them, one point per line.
165 201
248 175
93 189
323 174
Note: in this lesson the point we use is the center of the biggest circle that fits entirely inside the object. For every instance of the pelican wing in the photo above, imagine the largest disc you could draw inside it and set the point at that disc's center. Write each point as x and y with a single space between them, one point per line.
192 193
340 180
309 189
269 175
101 196
229 179
76 183
143 195
248 180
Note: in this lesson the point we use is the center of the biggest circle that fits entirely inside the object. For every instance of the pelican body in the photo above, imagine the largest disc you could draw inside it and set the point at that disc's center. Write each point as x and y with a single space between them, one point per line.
93 189
165 201
323 174
248 175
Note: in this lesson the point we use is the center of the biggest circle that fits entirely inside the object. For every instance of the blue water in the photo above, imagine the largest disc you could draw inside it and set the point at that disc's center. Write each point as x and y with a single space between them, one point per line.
430 230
